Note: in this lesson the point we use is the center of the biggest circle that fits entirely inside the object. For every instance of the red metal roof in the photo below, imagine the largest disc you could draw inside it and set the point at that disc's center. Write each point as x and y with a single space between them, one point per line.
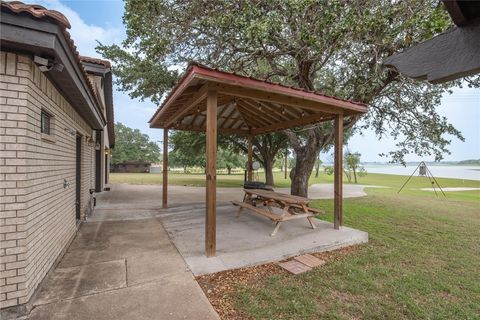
269 83
197 69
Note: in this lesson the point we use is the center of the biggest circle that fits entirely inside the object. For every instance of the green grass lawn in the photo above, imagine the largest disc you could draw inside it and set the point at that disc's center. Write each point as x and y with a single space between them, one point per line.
236 180
422 260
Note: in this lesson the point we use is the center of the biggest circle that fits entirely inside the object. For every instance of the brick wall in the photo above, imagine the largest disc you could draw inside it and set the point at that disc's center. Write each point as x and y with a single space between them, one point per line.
37 214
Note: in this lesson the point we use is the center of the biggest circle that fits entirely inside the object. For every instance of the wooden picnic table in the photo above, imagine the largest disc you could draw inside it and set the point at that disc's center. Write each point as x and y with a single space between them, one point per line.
263 201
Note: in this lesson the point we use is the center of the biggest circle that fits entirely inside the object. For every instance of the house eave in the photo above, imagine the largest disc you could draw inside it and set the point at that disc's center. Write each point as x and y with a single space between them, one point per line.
40 38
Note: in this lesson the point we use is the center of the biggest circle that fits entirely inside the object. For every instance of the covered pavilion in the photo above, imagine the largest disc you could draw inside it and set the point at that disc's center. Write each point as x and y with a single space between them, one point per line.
214 101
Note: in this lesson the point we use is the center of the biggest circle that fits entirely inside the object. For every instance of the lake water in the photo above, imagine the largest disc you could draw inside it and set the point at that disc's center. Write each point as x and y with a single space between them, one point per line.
458 172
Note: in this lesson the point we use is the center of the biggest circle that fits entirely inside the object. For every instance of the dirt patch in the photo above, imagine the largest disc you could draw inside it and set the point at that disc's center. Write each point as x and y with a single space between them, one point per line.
219 287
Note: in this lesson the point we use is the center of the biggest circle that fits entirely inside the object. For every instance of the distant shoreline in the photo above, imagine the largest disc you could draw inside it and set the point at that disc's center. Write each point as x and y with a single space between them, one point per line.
440 171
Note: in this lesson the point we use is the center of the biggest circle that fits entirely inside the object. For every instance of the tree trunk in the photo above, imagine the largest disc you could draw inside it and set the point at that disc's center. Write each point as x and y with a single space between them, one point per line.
266 148
268 166
229 169
354 174
184 169
300 174
322 136
348 175
317 167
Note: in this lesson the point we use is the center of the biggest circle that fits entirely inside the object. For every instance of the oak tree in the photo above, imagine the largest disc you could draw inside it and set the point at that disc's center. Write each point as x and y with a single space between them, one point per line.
132 145
335 47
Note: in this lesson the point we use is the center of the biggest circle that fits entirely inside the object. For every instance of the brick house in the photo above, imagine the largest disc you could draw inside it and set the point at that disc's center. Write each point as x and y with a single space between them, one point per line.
56 129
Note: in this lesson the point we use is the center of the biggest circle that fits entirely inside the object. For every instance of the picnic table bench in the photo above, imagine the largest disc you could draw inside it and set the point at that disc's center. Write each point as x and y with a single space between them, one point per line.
262 201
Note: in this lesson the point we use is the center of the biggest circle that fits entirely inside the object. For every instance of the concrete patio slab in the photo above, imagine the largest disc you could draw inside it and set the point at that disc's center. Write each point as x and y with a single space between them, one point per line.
146 199
246 241
72 282
145 268
125 261
122 265
178 297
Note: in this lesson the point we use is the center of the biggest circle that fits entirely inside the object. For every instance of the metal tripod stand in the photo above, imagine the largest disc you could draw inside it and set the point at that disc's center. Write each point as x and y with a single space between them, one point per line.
425 172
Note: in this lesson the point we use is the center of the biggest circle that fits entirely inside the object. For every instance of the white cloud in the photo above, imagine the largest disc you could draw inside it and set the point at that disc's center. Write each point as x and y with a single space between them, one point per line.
131 112
85 35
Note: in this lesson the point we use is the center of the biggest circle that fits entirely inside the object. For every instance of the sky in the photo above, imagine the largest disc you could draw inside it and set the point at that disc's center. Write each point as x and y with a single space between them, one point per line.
101 21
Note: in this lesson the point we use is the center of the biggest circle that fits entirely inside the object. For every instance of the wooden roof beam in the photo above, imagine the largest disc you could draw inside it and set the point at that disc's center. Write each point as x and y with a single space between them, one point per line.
293 123
231 122
261 113
198 97
252 111
238 123
250 119
226 114
272 109
225 107
187 127
292 111
254 94
201 106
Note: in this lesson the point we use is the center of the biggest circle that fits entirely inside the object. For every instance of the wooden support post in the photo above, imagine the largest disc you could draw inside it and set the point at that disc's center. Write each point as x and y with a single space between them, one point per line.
338 188
211 155
165 169
250 158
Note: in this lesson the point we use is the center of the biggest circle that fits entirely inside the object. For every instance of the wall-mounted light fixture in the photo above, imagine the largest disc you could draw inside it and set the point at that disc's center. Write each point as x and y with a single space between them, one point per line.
90 141
46 65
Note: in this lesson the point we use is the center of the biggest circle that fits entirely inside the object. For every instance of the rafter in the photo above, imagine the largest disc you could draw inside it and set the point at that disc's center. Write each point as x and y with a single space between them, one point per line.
237 91
200 95
253 112
293 123
272 109
251 121
260 113
227 115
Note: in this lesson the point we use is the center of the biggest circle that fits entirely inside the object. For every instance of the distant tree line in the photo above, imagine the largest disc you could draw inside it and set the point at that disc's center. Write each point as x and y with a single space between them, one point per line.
132 145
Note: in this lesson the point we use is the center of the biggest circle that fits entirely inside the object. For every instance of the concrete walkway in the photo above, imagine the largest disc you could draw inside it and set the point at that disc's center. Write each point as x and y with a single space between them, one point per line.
119 268
149 196
241 242
122 264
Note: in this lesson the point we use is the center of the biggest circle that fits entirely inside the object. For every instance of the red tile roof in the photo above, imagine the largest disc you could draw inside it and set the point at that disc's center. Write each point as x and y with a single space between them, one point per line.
40 12
101 62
